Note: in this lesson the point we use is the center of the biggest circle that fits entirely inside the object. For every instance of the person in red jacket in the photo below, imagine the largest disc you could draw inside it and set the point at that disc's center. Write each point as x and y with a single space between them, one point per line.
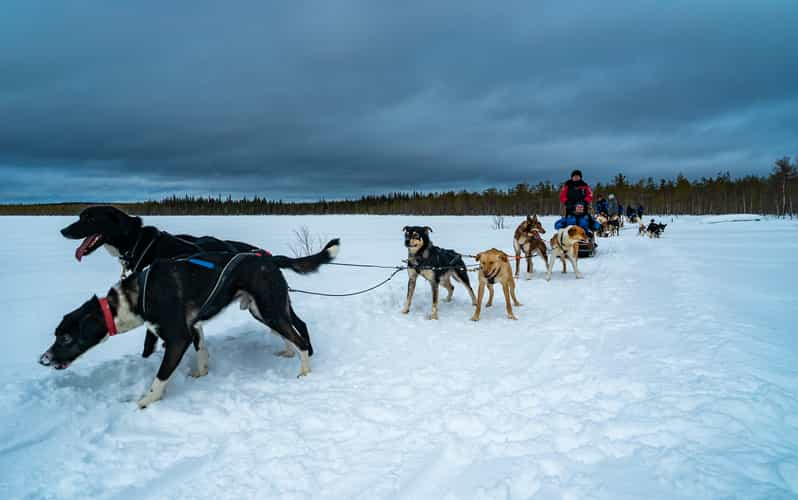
575 194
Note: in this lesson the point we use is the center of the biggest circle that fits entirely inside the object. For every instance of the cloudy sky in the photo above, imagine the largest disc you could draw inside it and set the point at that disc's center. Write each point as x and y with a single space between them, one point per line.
302 99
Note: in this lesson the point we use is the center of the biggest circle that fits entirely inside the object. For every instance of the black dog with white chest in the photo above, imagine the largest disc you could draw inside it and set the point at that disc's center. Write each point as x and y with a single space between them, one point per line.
437 265
175 296
137 246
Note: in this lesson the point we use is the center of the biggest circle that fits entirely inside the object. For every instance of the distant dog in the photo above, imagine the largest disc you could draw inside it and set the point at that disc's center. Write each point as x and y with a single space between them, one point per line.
565 245
175 296
655 230
137 246
614 225
604 221
641 229
436 265
527 240
494 266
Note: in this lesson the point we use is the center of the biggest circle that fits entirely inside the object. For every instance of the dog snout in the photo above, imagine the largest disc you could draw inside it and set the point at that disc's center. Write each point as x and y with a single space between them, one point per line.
46 359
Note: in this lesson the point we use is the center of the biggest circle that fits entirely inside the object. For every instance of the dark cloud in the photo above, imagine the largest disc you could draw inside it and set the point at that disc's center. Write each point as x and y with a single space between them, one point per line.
102 100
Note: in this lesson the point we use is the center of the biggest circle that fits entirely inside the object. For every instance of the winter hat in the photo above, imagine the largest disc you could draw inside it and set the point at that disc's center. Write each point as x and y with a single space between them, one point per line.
576 172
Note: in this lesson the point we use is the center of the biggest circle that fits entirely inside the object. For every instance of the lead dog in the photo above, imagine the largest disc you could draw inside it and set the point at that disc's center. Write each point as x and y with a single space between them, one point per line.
137 246
436 265
494 266
175 296
565 245
527 240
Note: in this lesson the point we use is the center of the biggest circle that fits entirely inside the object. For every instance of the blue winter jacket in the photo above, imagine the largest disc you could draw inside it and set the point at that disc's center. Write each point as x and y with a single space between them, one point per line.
572 220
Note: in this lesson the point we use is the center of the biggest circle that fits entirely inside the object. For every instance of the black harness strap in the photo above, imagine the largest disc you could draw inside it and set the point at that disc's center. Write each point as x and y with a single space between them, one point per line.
128 257
222 274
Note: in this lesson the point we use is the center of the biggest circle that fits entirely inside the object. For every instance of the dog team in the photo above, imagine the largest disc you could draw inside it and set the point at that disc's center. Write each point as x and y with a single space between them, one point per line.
174 283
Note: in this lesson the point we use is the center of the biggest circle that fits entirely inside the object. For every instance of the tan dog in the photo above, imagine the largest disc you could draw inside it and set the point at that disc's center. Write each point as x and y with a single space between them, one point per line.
565 244
527 240
605 225
494 266
641 229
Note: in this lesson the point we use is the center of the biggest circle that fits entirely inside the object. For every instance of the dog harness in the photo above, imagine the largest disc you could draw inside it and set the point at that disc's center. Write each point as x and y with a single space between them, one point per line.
128 257
561 244
417 266
205 263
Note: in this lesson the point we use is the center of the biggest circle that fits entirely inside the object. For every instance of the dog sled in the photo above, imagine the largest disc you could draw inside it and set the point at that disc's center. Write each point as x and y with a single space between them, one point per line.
588 249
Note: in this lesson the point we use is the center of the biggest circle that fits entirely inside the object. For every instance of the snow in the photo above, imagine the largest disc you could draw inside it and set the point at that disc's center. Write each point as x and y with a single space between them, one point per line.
670 371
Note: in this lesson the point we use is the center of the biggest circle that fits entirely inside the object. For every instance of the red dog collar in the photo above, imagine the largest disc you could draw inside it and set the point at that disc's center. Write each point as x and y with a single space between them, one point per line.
109 319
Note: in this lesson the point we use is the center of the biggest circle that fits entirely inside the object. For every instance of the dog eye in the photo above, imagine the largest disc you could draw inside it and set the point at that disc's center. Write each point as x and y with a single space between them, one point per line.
65 339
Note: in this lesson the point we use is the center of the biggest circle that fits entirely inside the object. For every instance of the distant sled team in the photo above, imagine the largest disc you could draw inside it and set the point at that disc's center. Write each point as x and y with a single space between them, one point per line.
174 283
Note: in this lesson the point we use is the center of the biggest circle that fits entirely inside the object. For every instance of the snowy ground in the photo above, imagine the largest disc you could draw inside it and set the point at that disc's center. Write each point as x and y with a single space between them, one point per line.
668 372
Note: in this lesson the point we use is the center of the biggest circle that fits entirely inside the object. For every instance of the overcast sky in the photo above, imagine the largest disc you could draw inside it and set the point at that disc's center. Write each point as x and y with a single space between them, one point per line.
301 99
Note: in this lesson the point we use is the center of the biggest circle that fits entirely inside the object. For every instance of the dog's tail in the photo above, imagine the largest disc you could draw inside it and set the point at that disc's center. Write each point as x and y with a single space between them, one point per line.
310 263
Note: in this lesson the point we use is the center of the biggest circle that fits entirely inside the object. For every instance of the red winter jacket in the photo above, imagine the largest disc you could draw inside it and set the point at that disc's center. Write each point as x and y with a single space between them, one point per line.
575 192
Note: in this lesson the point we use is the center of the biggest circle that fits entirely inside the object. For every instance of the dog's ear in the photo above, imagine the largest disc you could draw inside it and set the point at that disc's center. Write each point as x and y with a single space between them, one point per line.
478 256
504 257
137 221
405 228
529 218
427 229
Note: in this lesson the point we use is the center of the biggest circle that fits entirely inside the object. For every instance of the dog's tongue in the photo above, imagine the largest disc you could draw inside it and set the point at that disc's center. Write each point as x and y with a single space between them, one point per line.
85 246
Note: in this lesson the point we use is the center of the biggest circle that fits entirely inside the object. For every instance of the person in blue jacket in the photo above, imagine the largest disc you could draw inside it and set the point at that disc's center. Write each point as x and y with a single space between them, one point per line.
613 206
640 211
601 206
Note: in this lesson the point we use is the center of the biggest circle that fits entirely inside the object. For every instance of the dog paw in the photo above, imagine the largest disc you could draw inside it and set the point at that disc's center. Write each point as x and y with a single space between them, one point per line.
474 318
512 317
147 400
447 299
433 316
579 276
303 373
405 311
285 353
199 373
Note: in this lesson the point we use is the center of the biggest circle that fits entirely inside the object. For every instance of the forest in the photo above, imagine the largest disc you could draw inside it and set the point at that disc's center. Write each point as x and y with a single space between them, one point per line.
766 195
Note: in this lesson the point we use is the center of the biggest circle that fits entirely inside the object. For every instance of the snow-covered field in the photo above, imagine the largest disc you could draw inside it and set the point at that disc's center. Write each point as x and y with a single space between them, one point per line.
670 371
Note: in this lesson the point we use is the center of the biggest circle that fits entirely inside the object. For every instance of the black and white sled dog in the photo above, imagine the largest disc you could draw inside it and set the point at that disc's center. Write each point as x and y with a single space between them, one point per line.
137 246
437 265
654 229
175 296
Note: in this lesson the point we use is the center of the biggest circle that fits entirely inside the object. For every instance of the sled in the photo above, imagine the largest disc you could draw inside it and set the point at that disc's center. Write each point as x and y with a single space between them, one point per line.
588 249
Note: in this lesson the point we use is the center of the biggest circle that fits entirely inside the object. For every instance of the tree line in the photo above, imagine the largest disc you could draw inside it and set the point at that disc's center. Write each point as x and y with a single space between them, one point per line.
767 195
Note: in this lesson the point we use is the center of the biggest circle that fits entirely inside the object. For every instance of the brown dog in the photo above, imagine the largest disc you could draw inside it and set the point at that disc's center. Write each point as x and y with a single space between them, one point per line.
527 240
565 244
494 266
